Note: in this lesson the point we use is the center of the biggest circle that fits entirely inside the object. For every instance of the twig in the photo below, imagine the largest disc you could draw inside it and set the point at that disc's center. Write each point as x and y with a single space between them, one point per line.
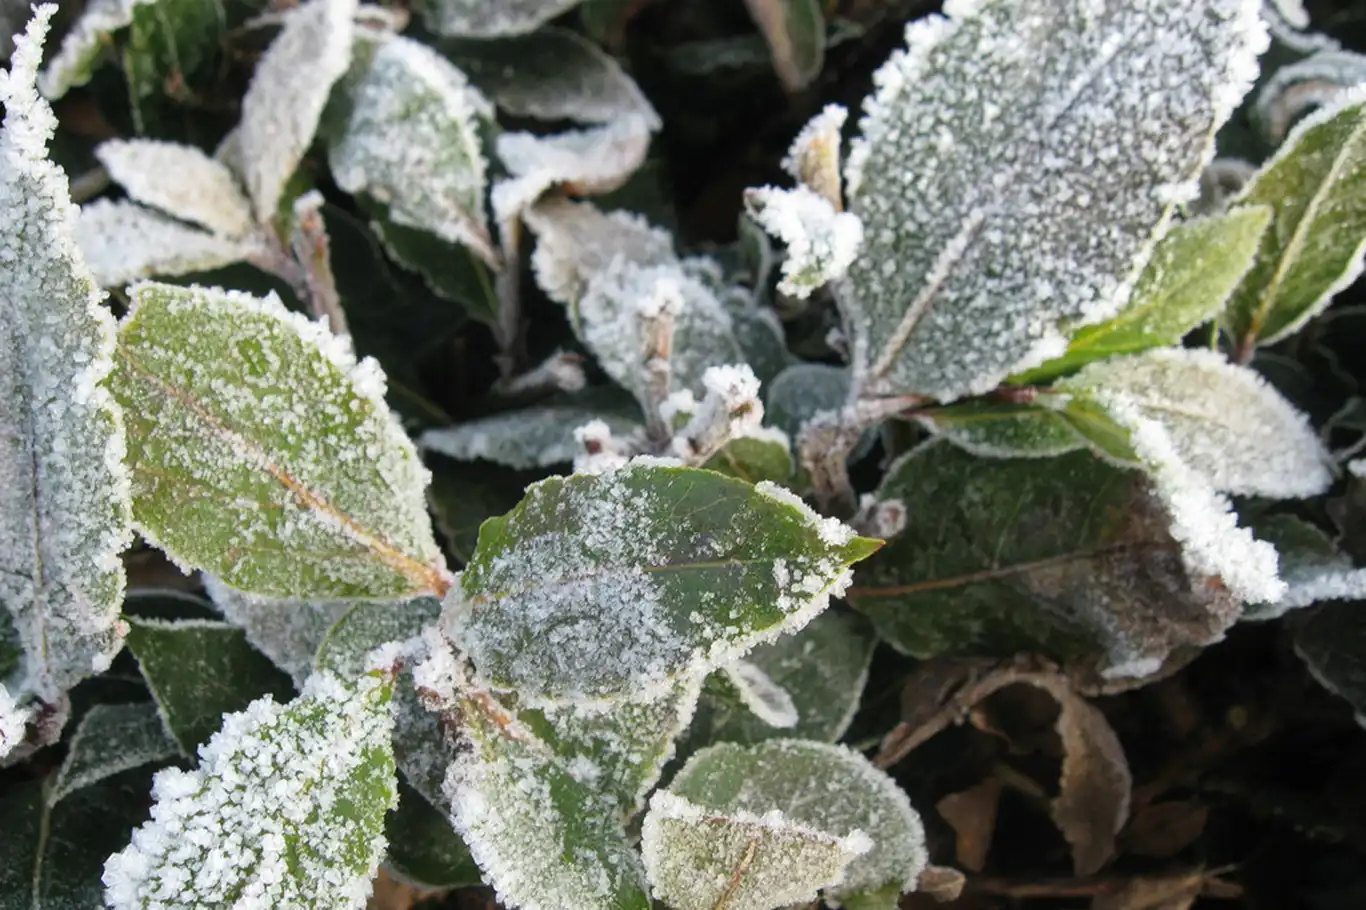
309 243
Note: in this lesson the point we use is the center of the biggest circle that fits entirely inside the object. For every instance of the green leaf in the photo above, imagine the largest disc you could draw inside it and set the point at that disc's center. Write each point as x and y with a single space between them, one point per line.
452 272
1313 567
802 391
815 786
535 437
423 848
198 671
764 455
287 632
795 32
168 40
1318 235
463 496
1002 430
989 171
263 453
287 805
1331 641
646 575
63 490
109 740
1070 557
544 837
823 668
1192 273
412 141
52 853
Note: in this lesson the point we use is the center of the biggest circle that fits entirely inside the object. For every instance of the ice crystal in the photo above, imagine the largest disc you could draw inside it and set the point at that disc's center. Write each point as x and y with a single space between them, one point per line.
821 242
576 241
286 809
63 488
1016 165
181 181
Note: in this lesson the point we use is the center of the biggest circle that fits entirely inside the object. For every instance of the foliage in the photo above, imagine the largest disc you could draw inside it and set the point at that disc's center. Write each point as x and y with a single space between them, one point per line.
1048 390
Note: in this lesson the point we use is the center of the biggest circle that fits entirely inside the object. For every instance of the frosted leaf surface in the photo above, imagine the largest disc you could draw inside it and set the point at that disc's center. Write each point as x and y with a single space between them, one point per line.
13 721
1017 163
1292 11
545 838
285 101
491 18
1224 421
74 63
111 739
1331 641
765 699
286 631
552 74
1316 183
302 484
821 242
181 181
828 788
286 808
584 162
412 142
606 588
1312 566
63 488
1297 88
764 453
999 430
124 242
576 241
1101 576
1192 273
823 668
535 437
699 858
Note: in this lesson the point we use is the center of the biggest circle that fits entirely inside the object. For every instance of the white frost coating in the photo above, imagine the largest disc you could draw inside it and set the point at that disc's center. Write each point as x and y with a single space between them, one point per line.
124 242
535 437
64 493
832 531
75 60
730 410
1202 520
1017 163
1305 588
285 100
767 700
111 739
412 142
257 825
599 451
818 139
181 181
821 242
13 721
1224 421
575 241
1292 11
1298 86
491 18
692 855
286 631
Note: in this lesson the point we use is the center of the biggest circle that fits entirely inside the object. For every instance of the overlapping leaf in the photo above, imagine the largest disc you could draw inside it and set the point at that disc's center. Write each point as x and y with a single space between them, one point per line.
1017 163
491 18
535 437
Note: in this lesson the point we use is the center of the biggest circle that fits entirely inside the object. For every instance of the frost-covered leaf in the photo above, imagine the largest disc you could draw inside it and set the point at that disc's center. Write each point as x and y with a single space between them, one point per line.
167 42
287 806
412 142
423 848
822 668
198 670
463 495
576 241
1072 558
1316 184
814 157
14 720
124 242
1002 430
1296 88
551 74
285 100
451 271
52 854
821 242
491 18
1331 641
63 488
181 181
1193 271
286 631
700 858
817 786
75 61
1313 568
534 437
795 33
764 454
1225 422
1017 163
544 837
303 485
606 588
585 162
764 698
804 390
111 739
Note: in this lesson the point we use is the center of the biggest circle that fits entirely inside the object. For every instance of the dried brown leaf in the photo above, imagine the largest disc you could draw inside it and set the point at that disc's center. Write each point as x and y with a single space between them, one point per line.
972 816
1162 830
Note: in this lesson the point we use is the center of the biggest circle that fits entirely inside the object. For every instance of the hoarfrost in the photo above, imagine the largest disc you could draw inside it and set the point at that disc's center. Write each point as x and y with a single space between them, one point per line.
1305 84
1223 421
491 18
767 700
286 631
285 100
74 62
13 721
64 513
814 157
181 181
821 242
286 808
124 242
576 241
1017 163
536 437
110 739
